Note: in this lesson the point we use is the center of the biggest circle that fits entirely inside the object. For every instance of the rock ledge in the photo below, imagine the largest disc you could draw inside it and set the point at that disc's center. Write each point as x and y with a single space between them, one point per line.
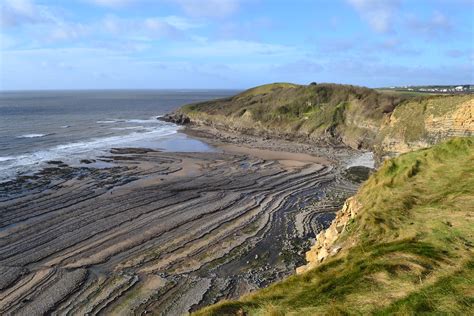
325 245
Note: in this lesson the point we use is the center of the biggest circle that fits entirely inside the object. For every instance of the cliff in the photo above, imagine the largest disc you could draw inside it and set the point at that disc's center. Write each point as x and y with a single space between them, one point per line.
402 245
330 114
326 244
425 122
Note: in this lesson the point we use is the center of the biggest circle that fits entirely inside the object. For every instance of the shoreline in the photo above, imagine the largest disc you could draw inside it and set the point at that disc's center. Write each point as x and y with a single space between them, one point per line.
166 232
91 149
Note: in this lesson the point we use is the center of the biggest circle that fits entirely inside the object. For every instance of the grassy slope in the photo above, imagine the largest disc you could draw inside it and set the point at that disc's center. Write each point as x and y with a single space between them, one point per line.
318 111
327 112
410 249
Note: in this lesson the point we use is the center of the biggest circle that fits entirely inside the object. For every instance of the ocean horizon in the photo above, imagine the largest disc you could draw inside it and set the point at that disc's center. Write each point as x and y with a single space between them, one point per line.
72 125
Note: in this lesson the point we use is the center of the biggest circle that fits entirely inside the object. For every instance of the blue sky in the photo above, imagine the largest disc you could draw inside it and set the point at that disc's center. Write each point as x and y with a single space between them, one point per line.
103 44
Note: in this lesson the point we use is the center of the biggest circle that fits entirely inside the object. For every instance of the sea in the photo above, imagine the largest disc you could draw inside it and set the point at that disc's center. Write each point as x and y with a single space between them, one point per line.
40 126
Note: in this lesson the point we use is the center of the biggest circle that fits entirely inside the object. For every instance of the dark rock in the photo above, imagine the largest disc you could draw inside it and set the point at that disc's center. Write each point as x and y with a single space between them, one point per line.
87 161
130 150
177 118
55 162
358 174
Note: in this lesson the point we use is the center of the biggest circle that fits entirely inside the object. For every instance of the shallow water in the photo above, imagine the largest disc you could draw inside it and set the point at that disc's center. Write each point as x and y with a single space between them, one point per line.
37 126
365 159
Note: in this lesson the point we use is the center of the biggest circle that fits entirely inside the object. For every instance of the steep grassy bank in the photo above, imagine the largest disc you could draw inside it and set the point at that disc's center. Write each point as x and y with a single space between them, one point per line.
408 250
339 114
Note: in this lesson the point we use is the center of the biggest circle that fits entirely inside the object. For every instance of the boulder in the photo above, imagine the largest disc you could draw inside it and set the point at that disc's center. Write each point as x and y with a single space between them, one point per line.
176 118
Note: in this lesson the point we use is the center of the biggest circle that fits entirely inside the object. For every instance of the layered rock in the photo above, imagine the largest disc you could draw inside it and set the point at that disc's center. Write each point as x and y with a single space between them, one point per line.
419 125
159 232
459 122
327 244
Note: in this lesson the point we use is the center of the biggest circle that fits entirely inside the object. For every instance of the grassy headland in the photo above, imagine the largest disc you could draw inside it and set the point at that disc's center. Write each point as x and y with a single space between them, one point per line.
334 114
409 250
326 112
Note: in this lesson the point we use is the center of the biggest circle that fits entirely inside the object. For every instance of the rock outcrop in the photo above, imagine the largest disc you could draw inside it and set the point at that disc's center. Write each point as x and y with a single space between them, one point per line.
459 122
419 125
177 118
326 244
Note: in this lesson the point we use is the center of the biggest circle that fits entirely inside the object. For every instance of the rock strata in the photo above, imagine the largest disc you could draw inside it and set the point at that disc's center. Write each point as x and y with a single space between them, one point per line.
326 244
412 128
162 233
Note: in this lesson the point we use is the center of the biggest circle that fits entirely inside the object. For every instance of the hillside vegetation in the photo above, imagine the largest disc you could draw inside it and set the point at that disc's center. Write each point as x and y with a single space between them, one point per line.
409 250
330 113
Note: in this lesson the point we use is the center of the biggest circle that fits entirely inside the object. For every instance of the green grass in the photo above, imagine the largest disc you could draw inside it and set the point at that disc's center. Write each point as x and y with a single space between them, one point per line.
449 295
282 101
269 88
409 250
318 111
325 112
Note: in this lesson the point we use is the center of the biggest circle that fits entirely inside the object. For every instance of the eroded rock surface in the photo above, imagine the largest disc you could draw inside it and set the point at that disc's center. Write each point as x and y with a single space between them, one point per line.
326 244
160 232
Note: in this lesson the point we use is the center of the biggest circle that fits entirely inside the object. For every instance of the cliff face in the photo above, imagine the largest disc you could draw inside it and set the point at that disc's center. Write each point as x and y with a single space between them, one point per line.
358 117
327 244
423 123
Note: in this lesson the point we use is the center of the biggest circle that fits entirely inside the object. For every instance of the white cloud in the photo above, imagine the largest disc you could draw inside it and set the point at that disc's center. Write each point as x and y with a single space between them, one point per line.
437 25
112 3
195 8
182 23
397 47
233 48
68 31
48 21
208 8
159 27
378 13
168 25
112 24
147 28
19 12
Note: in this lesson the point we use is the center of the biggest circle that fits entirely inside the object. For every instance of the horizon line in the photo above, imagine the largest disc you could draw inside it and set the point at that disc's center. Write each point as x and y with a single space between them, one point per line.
224 89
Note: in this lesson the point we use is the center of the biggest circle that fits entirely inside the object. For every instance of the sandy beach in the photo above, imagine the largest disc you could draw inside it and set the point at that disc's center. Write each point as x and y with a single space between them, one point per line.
165 232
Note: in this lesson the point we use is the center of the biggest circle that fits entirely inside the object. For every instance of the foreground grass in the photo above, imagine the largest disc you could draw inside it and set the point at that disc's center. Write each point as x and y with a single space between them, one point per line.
409 250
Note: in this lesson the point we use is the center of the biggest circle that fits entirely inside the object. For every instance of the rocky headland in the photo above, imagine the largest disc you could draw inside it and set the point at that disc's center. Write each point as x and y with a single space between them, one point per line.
386 123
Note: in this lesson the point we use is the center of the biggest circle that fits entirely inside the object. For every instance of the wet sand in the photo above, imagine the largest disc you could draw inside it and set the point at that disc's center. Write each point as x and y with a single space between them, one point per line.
164 232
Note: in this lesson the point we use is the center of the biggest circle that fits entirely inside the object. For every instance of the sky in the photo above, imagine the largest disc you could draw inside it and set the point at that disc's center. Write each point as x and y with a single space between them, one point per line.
235 44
